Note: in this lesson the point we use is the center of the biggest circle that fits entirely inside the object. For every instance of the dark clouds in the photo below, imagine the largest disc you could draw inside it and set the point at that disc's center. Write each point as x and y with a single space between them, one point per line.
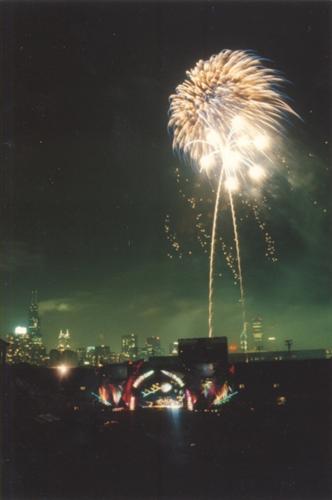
17 255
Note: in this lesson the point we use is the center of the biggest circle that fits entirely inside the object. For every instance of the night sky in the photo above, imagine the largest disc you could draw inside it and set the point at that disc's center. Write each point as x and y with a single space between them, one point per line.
88 175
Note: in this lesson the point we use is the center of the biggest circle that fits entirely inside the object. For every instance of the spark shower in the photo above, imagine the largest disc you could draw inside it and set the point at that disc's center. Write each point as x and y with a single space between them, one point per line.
225 119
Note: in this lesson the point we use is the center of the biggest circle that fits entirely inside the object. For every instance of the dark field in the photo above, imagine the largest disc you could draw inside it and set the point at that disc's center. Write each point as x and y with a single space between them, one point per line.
255 448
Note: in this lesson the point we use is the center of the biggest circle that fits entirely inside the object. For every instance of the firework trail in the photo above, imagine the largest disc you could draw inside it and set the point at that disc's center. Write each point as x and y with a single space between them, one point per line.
212 254
221 118
238 258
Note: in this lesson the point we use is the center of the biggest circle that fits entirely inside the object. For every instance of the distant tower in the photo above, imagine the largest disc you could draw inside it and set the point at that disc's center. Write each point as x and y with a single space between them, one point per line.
244 338
289 343
33 319
64 341
32 344
257 332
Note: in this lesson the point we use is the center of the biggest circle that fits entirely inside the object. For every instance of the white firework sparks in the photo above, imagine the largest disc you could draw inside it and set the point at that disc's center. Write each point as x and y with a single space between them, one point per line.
223 118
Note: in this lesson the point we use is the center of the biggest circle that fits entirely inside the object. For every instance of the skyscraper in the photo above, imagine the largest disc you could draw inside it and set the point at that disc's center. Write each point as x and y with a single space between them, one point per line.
19 346
103 355
153 347
37 349
33 319
25 344
129 346
174 348
257 333
244 338
64 341
82 356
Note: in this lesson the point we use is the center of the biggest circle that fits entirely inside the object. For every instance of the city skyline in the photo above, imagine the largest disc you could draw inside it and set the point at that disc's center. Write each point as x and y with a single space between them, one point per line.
260 338
89 176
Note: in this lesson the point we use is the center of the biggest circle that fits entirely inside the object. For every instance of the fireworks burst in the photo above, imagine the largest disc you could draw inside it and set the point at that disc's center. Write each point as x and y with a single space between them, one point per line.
223 117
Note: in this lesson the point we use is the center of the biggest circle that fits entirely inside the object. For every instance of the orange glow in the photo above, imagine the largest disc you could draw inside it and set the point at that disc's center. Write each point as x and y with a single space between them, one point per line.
232 347
62 370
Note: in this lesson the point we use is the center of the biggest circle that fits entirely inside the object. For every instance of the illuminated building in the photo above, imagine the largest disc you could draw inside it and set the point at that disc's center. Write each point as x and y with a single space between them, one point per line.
129 346
174 348
102 355
10 349
19 348
244 338
64 341
271 341
142 353
99 355
36 352
82 356
26 345
153 346
34 320
90 355
257 333
114 357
